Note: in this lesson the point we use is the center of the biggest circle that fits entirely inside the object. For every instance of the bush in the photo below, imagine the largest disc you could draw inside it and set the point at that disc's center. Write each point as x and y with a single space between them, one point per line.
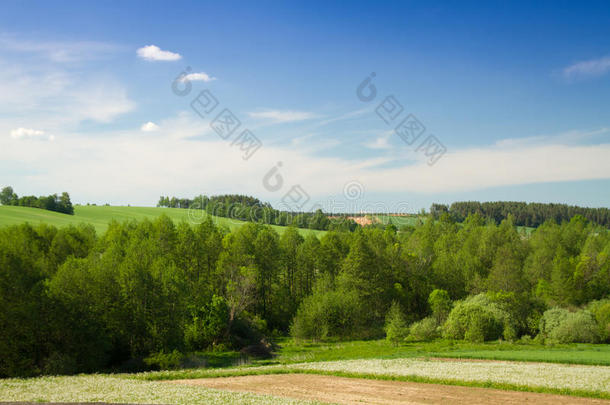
424 330
328 314
601 310
475 319
526 340
208 324
561 326
164 361
440 304
578 327
551 320
396 327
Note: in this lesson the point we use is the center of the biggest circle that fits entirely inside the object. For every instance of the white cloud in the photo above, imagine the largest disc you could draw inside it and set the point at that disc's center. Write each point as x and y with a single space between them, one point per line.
282 116
153 52
589 68
381 142
149 127
193 77
29 133
203 163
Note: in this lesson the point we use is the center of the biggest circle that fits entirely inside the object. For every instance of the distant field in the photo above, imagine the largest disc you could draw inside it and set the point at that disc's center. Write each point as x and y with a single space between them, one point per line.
100 216
413 220
400 220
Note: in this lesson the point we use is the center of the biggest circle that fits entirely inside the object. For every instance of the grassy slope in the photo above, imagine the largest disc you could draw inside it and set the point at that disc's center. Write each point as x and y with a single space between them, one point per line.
100 216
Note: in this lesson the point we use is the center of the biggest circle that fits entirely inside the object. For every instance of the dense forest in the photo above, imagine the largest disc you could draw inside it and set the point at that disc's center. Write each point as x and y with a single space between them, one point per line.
251 209
52 202
144 293
524 214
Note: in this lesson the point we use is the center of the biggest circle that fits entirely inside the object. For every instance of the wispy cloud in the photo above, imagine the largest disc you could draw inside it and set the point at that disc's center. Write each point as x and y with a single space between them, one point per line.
29 133
588 68
346 116
54 95
154 53
149 127
94 163
58 51
282 115
194 77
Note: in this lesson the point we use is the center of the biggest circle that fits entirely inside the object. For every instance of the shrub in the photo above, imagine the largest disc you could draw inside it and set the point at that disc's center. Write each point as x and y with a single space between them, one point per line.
526 340
551 319
328 313
396 327
164 361
601 311
424 330
577 327
208 324
440 304
475 319
561 326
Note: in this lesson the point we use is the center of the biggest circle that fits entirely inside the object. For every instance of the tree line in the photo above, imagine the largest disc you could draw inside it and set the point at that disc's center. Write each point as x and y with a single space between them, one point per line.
146 292
524 214
246 208
51 202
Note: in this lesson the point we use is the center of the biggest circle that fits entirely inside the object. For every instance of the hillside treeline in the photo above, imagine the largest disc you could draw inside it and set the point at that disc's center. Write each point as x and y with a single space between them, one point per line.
146 291
246 208
51 202
524 214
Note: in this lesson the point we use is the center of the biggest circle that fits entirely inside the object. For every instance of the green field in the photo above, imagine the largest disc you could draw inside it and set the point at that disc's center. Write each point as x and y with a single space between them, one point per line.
100 216
586 375
290 352
410 220
294 352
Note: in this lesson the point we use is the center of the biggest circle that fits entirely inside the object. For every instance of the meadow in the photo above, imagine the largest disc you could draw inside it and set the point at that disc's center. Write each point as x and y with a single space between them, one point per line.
99 216
540 370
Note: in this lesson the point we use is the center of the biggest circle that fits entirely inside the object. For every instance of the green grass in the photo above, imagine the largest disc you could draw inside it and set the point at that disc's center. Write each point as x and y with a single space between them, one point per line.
399 221
100 216
596 355
293 352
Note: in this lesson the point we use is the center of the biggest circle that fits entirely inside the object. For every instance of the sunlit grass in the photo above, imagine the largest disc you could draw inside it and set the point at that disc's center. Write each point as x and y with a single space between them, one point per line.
100 216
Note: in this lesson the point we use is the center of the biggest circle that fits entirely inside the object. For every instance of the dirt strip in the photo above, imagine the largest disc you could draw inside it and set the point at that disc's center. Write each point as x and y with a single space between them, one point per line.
343 390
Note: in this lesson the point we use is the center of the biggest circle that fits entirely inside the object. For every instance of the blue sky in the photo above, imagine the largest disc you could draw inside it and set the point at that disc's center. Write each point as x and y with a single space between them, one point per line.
518 94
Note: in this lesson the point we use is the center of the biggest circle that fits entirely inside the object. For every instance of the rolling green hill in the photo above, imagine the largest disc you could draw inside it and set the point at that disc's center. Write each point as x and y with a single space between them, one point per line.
100 216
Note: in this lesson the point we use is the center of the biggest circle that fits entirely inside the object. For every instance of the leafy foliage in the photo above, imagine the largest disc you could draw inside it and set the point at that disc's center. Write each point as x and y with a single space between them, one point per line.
73 301
52 202
562 326
396 328
425 330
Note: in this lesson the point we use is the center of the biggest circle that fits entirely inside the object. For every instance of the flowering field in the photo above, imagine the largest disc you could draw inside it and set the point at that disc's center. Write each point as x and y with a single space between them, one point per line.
547 375
141 388
99 388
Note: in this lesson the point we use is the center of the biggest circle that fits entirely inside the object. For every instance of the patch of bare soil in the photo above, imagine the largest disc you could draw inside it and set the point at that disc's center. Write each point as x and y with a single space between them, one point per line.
342 390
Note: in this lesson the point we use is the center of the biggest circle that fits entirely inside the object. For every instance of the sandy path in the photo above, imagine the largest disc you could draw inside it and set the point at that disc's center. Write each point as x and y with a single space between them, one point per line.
343 390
